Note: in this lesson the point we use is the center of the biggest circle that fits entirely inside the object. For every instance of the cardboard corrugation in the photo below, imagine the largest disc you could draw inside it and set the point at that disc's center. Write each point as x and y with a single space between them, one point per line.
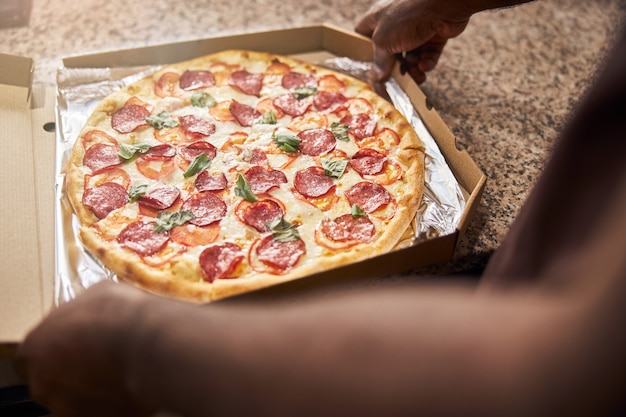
27 203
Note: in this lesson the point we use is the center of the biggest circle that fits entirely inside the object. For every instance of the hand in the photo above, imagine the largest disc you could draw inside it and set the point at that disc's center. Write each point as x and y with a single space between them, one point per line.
75 361
417 29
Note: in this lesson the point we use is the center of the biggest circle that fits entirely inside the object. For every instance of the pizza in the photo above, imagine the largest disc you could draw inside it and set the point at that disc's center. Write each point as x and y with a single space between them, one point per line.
239 170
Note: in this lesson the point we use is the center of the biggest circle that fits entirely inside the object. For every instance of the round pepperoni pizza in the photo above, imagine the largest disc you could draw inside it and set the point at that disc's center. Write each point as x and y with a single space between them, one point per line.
239 170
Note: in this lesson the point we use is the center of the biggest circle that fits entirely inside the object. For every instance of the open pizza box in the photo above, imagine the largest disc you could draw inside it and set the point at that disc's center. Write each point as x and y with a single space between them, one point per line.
27 116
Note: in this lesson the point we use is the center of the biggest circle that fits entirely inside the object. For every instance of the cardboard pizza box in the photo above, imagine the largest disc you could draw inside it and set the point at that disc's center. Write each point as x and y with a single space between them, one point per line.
26 199
27 283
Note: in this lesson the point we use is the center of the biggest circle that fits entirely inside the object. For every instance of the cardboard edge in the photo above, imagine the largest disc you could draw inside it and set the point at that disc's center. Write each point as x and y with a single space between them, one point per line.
470 177
34 107
153 55
17 71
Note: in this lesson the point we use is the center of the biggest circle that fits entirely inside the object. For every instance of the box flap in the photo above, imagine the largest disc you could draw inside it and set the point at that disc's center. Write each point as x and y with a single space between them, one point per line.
16 73
26 212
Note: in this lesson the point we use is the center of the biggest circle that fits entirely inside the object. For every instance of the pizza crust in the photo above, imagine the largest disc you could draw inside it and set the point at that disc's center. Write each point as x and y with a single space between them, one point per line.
178 275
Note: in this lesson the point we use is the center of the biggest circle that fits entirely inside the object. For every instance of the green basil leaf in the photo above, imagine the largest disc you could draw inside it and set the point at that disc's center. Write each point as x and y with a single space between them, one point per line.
287 143
303 92
127 151
243 190
334 167
283 231
340 131
199 164
167 220
161 120
357 212
202 99
268 118
136 191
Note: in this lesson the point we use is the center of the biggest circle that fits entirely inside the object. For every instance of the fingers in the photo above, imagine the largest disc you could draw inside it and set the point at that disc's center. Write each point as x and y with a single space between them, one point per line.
382 64
366 25
383 60
424 59
417 29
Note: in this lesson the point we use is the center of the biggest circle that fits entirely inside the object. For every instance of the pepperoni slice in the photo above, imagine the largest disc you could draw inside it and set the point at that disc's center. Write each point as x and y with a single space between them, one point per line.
360 125
105 198
291 105
255 156
260 213
244 114
368 161
312 182
100 157
148 211
280 256
196 128
192 80
160 198
162 151
316 142
220 261
129 118
263 179
294 79
247 82
369 196
141 238
190 152
208 182
348 228
325 100
206 208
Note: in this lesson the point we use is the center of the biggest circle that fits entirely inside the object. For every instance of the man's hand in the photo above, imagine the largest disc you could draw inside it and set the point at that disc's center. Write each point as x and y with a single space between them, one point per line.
414 30
75 362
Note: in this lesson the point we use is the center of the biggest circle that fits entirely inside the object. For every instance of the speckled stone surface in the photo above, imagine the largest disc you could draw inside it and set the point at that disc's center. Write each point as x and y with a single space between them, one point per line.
505 87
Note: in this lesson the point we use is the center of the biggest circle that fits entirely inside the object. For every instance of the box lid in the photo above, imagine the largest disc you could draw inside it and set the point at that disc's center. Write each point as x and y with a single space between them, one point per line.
27 190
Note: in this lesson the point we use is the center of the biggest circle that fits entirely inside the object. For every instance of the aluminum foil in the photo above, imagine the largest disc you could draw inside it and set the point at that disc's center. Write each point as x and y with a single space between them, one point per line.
80 90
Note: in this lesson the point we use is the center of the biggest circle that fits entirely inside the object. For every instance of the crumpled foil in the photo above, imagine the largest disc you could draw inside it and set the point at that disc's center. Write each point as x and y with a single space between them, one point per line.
79 90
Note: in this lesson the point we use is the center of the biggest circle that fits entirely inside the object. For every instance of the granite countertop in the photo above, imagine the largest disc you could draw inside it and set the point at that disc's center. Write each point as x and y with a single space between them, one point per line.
505 87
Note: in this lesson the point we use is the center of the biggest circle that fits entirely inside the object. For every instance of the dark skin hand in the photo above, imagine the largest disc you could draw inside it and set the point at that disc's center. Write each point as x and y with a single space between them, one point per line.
416 31
77 360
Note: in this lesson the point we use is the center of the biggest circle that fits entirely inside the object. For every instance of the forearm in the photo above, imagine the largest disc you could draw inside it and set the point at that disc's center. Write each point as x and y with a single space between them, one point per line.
389 353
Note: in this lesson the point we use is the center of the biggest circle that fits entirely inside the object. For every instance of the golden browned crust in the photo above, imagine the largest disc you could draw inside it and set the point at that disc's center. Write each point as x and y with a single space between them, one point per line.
180 277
